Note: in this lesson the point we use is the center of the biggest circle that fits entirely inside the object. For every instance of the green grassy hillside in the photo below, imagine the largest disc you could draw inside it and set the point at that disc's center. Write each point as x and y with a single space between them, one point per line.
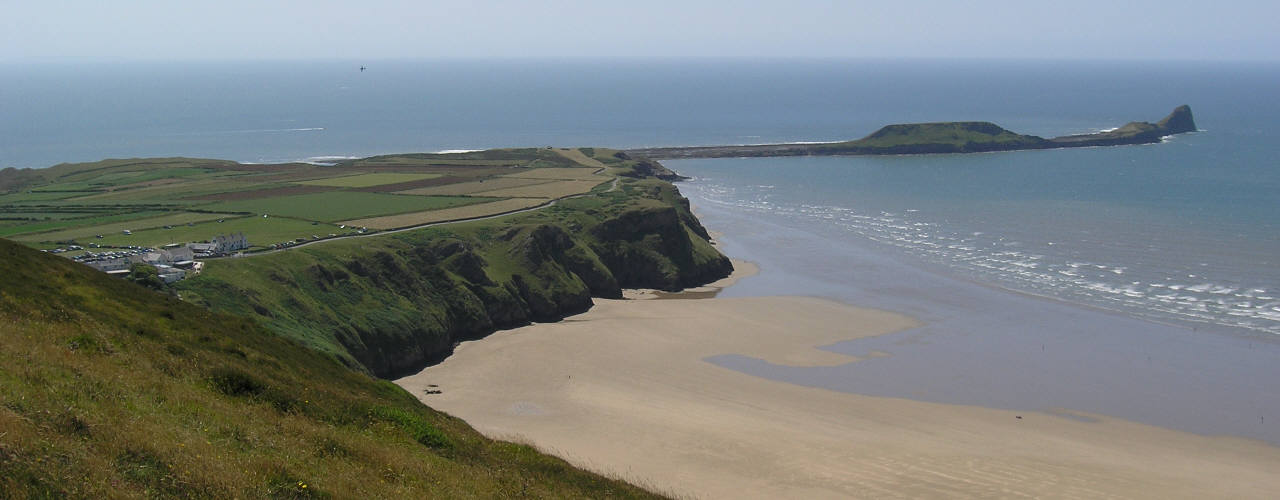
943 137
108 390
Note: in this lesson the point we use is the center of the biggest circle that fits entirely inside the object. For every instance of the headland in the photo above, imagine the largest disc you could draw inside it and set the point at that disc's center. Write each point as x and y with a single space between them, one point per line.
942 138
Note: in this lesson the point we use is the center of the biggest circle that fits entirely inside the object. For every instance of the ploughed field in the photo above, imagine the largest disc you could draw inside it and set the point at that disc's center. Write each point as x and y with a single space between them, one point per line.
161 201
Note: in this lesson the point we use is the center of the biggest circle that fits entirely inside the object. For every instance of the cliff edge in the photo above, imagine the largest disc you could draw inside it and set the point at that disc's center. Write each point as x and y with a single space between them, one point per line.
393 304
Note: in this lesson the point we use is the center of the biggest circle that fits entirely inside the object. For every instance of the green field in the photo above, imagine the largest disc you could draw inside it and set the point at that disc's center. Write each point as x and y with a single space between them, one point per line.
43 214
77 202
36 197
173 193
342 205
261 232
138 221
368 180
16 227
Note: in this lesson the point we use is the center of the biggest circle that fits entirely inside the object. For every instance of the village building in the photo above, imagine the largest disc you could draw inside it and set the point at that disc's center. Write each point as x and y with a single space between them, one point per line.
170 274
179 256
111 265
172 261
202 249
227 243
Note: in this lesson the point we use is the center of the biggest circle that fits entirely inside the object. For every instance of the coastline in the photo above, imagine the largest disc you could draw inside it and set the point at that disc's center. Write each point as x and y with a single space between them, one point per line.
626 389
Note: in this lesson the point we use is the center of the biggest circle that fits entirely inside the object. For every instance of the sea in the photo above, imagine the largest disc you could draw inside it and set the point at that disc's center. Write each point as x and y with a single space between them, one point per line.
1133 269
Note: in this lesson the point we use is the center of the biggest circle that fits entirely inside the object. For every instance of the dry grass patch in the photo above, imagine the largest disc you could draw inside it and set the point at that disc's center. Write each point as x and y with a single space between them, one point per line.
448 214
579 157
554 189
462 188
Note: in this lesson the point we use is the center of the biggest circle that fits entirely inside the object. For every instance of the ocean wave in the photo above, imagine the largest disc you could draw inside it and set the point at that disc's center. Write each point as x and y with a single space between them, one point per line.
327 160
1143 291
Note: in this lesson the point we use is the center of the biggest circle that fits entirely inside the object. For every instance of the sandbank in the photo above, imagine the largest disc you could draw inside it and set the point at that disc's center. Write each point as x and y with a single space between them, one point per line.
625 389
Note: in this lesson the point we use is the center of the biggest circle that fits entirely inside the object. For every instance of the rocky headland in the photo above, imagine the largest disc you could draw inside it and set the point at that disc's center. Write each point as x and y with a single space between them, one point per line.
941 138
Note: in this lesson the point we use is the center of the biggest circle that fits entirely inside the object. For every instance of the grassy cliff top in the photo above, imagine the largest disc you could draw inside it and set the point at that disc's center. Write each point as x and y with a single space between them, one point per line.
110 390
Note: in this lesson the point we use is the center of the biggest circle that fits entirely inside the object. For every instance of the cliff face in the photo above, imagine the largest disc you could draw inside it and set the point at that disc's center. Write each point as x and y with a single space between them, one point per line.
1178 122
390 305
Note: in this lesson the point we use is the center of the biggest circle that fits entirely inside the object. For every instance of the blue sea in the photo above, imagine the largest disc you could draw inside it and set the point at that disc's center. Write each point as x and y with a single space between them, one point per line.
1162 259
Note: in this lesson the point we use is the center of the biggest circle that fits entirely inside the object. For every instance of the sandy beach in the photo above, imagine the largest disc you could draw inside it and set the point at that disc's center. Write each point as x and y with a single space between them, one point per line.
624 389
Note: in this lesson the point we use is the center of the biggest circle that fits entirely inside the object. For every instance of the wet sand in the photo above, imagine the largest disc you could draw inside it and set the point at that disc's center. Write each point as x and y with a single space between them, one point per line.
626 389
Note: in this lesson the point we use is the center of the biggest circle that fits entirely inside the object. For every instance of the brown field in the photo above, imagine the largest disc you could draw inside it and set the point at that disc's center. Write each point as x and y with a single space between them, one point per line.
405 187
300 174
462 188
553 189
563 173
448 214
261 193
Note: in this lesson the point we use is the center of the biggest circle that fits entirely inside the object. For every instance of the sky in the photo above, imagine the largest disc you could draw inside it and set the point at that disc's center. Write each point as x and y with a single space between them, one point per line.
390 29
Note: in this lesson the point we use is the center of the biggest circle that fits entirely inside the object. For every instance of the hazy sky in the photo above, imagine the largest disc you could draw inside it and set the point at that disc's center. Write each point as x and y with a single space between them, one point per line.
373 29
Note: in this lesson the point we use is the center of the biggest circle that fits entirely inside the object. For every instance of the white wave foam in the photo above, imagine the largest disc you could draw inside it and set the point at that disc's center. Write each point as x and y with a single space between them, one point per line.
269 130
1018 266
330 158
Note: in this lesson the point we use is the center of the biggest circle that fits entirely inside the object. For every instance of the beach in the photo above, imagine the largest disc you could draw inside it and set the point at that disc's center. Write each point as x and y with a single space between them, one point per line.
626 389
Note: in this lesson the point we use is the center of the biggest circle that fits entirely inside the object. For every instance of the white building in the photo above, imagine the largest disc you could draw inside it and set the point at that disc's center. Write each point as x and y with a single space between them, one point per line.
227 243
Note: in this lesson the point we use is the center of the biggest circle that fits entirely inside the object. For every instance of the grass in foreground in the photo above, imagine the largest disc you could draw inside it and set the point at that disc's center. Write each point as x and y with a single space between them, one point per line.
110 390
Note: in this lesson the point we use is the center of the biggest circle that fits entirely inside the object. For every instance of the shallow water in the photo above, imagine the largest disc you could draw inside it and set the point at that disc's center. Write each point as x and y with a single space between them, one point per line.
988 346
